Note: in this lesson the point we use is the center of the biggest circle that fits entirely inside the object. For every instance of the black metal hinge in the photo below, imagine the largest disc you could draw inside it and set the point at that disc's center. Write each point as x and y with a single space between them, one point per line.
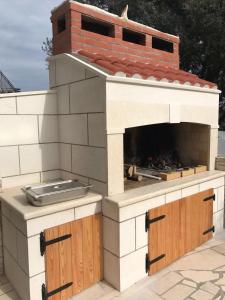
46 294
149 262
212 197
148 221
212 229
44 243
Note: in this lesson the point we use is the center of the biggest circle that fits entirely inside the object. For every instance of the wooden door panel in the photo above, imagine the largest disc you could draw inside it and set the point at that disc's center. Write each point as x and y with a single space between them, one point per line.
157 239
88 251
181 230
77 256
65 253
52 263
97 248
77 259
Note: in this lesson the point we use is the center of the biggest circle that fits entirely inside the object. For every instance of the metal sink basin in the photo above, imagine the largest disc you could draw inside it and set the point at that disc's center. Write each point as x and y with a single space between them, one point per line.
55 192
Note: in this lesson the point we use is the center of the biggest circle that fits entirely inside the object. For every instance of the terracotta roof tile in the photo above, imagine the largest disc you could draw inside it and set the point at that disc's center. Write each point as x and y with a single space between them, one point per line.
115 65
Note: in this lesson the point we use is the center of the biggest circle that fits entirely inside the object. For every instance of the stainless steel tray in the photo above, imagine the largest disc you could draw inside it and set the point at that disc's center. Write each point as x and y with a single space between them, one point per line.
55 192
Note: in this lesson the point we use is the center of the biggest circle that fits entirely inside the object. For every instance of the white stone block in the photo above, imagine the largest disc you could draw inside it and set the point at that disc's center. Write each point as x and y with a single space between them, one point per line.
97 130
112 269
48 129
52 73
88 210
16 219
16 276
17 130
70 176
73 129
65 151
50 175
9 161
126 237
42 157
141 234
36 261
88 96
8 106
173 196
119 238
215 203
140 208
37 104
194 189
218 221
35 226
220 197
63 95
9 237
68 71
115 164
20 180
132 268
99 187
22 249
175 113
89 162
35 286
215 183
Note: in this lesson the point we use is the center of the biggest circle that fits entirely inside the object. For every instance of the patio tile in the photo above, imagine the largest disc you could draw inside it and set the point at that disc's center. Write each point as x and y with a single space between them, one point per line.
202 295
189 283
165 283
200 276
219 248
179 292
210 287
204 260
221 281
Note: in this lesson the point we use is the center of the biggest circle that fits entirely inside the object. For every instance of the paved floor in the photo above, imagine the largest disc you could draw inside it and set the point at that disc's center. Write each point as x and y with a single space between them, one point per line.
200 275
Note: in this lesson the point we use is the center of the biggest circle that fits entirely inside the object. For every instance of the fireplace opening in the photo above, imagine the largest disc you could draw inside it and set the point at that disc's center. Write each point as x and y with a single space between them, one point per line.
164 152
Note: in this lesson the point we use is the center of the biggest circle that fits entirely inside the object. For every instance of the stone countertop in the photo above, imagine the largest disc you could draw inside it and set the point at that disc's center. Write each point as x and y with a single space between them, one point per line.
16 199
150 191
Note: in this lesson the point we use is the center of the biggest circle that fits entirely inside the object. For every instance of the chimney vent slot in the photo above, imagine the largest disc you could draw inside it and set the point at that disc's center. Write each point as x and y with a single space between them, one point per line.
161 44
134 37
97 26
61 23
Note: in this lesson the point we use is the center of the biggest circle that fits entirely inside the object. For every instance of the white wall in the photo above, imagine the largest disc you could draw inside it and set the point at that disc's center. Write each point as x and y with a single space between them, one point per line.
82 123
29 151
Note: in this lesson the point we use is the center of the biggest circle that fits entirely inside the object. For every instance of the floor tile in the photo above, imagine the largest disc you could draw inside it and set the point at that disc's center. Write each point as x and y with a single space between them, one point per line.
210 287
200 276
165 283
179 292
202 295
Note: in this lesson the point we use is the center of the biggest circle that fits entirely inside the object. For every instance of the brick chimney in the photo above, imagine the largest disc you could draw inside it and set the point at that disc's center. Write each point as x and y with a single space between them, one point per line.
79 26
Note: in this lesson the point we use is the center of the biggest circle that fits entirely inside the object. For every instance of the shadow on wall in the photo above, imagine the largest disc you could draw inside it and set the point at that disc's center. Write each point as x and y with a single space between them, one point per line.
221 143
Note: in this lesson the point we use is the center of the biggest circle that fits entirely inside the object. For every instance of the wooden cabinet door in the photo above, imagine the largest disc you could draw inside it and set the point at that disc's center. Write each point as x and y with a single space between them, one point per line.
165 235
75 262
177 228
198 218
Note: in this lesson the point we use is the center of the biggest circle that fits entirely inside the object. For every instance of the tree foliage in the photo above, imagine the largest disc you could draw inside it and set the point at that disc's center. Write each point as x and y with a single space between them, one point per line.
200 25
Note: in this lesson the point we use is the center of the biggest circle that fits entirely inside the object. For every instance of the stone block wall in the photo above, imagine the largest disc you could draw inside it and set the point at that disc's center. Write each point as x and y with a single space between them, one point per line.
28 138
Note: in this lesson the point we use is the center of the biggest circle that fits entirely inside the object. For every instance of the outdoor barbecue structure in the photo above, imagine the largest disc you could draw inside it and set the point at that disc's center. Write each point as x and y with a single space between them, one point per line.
124 120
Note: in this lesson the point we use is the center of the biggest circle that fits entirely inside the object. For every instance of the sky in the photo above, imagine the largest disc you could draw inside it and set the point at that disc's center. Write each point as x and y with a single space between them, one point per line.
24 25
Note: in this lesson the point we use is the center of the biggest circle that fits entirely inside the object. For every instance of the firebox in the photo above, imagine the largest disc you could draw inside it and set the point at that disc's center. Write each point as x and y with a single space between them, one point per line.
164 152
